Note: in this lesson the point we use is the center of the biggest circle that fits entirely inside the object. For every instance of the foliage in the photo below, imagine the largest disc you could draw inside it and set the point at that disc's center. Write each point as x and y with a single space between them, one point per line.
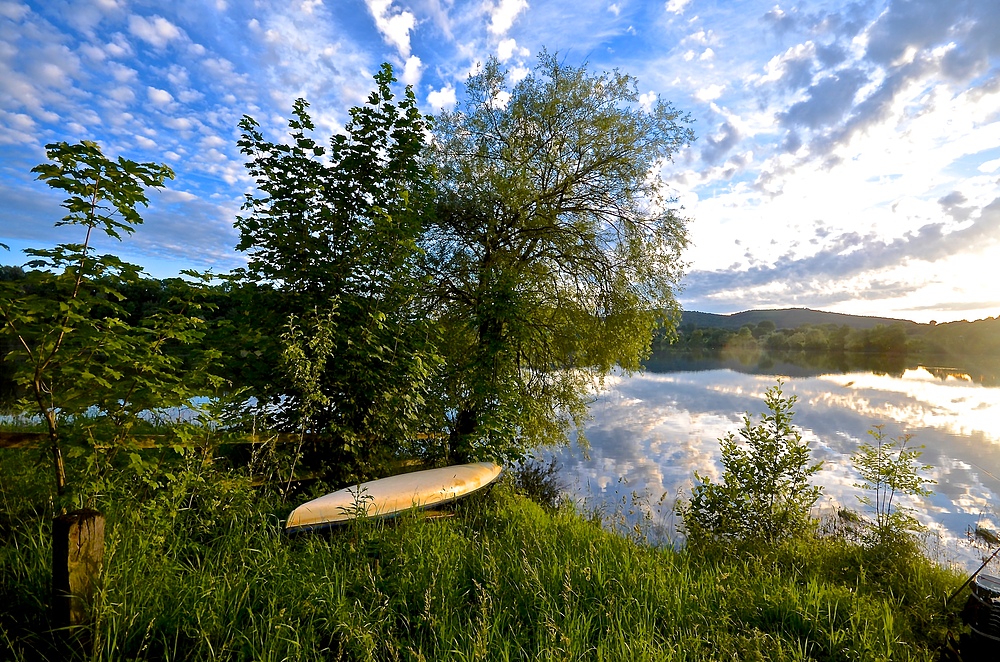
539 481
765 493
890 471
331 238
554 251
74 348
213 578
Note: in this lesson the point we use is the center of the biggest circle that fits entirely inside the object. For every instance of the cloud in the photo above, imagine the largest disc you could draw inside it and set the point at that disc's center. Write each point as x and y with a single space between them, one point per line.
507 48
412 71
394 27
710 93
990 166
719 145
503 14
156 31
443 99
851 254
159 97
14 10
676 6
829 100
792 69
309 6
780 21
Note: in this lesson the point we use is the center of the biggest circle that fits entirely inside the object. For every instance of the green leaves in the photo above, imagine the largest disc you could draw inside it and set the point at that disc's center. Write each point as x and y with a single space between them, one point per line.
102 193
765 494
334 231
890 471
75 347
554 249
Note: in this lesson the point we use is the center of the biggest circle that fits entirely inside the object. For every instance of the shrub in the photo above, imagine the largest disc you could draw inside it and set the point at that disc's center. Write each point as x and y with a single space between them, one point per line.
765 493
890 469
539 481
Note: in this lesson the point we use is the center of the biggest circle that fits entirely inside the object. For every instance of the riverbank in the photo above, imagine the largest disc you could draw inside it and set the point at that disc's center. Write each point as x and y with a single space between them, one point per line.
201 570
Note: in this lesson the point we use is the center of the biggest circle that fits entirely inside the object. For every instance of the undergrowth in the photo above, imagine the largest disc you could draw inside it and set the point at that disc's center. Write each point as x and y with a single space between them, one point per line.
205 573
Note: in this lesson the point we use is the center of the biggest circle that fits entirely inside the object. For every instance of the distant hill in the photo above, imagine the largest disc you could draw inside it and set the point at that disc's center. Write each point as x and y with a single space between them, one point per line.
786 318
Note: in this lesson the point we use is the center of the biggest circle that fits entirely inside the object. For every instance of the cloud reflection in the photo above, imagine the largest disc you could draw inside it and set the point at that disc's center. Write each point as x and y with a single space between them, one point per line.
651 431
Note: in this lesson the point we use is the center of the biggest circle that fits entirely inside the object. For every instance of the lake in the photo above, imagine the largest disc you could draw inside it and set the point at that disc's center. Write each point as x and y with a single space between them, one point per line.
650 431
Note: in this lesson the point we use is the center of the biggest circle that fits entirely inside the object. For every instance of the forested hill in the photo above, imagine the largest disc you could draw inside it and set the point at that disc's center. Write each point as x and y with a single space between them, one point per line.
785 318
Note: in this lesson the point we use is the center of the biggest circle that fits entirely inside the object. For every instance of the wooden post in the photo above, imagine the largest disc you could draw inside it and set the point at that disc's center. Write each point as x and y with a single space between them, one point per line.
77 559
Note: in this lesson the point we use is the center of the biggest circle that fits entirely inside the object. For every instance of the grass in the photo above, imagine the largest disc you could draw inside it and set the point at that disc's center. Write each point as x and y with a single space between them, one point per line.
201 571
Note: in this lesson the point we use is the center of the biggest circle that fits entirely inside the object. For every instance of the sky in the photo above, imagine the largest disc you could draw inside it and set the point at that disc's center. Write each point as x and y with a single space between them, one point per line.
847 154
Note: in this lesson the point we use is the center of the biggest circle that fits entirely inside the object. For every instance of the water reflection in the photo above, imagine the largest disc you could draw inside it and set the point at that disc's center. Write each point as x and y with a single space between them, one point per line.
650 431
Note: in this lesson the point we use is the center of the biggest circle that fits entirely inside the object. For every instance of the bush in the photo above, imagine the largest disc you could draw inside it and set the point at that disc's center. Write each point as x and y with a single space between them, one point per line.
890 469
765 493
539 482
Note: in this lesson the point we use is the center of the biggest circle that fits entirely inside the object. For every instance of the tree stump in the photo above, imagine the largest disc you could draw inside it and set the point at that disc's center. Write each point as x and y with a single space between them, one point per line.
77 560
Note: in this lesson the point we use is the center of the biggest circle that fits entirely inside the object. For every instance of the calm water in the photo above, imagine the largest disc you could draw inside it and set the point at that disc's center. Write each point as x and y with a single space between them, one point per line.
650 431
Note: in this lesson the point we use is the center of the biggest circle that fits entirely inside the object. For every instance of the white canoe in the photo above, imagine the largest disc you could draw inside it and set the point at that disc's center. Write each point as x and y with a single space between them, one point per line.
390 496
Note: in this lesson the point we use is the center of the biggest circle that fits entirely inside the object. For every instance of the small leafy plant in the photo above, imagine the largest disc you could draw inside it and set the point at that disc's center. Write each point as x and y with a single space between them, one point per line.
890 470
765 494
75 349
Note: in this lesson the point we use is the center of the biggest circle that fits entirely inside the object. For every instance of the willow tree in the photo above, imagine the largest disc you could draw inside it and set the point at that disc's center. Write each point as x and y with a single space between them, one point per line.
555 249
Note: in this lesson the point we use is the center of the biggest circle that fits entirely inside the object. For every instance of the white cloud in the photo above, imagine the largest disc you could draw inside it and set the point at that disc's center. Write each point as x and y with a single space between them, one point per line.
412 71
309 5
159 97
615 9
122 94
707 55
677 6
146 143
710 93
700 37
647 100
443 99
990 166
502 16
15 11
517 74
156 31
508 48
395 28
500 100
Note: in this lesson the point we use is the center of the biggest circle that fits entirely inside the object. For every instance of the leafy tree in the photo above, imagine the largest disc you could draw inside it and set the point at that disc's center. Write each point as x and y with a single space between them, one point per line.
331 237
765 493
890 470
554 249
74 348
764 328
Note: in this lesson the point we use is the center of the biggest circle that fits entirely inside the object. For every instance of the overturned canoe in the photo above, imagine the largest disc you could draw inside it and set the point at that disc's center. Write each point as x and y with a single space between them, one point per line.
390 496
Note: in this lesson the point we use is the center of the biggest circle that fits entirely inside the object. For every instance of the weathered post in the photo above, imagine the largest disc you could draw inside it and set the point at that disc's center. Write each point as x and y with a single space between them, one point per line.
77 559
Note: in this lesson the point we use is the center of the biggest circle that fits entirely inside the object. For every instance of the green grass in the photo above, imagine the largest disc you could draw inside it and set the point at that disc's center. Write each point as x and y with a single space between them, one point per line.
201 571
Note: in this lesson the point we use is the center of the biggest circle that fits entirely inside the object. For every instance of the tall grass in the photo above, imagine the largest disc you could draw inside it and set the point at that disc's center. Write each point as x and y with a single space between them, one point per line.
207 574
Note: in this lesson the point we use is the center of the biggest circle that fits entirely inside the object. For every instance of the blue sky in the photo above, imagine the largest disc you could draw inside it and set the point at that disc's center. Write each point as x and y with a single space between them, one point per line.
847 158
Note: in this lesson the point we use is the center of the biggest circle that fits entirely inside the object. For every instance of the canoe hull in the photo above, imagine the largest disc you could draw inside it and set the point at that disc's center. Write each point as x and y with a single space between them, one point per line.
387 497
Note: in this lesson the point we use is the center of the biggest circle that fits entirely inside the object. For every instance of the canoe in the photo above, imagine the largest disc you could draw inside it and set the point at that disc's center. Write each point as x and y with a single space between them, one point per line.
387 497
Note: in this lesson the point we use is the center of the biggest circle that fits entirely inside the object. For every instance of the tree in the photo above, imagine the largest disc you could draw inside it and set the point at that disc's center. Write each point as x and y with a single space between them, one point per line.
74 348
765 493
554 249
331 238
890 470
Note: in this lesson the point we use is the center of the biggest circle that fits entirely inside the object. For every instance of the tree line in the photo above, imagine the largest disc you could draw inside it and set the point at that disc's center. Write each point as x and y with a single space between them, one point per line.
962 338
451 286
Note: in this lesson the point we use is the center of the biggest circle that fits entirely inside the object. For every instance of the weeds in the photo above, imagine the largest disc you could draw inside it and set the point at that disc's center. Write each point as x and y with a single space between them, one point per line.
214 578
